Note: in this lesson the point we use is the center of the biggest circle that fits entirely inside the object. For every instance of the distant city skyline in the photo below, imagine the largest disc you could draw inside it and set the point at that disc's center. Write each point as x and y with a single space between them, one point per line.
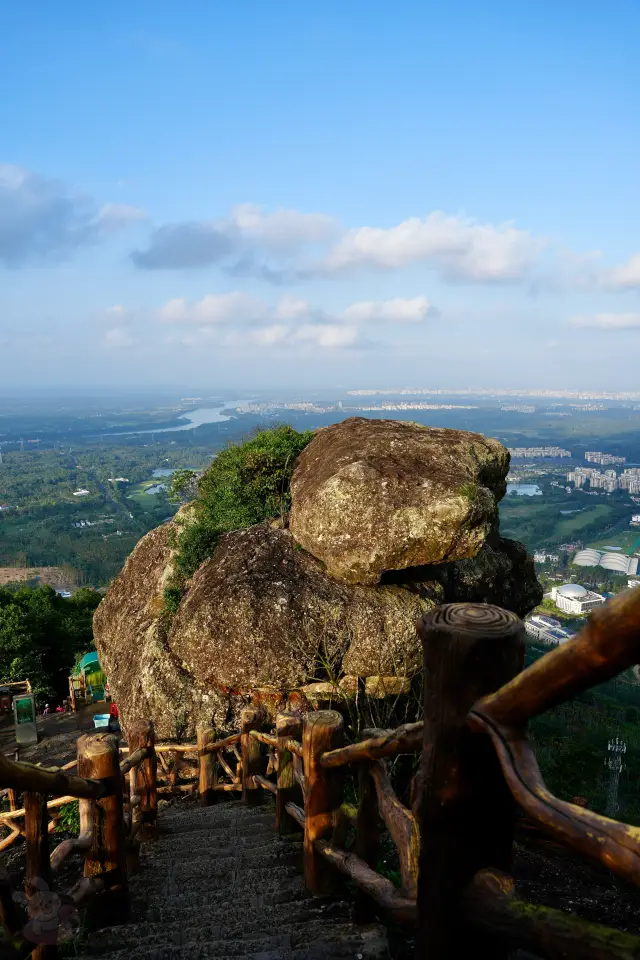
326 194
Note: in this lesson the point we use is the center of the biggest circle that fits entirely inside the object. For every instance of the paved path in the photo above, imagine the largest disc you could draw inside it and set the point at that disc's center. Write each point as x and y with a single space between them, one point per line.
220 883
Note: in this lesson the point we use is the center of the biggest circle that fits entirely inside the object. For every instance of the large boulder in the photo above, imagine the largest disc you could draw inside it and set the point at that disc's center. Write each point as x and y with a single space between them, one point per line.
263 614
369 496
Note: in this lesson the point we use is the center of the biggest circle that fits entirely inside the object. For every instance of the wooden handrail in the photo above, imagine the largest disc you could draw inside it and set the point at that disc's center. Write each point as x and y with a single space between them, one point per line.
489 904
51 805
607 645
136 758
476 764
222 744
405 739
616 845
79 844
266 784
267 738
378 887
47 780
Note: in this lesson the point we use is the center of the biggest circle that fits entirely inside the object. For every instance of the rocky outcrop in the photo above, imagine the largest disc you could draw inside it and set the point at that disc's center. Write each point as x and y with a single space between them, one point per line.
369 496
263 614
387 520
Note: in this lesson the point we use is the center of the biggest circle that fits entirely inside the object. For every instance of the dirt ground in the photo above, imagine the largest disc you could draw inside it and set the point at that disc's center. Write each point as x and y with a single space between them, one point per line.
54 576
58 734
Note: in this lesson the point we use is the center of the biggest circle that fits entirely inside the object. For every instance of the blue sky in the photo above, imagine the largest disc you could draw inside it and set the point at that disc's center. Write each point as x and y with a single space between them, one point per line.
315 194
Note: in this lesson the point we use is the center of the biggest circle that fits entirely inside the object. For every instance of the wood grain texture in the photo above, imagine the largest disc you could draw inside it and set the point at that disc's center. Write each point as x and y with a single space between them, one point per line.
614 844
608 644
464 807
266 784
221 744
367 880
405 739
490 905
38 867
403 827
251 718
144 778
206 765
106 858
322 730
47 780
288 727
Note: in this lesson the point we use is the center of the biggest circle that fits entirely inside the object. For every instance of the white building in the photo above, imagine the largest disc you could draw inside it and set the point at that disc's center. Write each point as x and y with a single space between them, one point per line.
542 556
82 493
547 629
572 598
615 562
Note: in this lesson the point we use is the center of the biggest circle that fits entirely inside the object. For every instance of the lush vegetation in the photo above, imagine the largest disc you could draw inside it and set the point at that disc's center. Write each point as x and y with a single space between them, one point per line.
41 636
571 742
246 483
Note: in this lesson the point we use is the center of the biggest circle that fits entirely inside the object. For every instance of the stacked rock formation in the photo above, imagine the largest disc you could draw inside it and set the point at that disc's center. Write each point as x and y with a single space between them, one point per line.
388 518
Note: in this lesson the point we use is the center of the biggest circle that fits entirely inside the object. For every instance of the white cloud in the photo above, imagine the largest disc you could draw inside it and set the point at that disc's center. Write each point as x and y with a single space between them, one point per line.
282 230
292 308
628 275
236 307
118 337
398 310
460 248
327 335
113 216
608 321
236 242
42 218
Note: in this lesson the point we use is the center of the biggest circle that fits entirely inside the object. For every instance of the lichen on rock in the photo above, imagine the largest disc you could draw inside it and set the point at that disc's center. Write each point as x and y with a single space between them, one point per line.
264 616
375 495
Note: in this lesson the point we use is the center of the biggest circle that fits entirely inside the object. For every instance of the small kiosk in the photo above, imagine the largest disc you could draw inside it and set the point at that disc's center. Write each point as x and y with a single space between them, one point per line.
24 713
89 682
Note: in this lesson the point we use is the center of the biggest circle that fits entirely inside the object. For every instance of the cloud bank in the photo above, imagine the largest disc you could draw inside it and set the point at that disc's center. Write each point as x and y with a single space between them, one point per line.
42 219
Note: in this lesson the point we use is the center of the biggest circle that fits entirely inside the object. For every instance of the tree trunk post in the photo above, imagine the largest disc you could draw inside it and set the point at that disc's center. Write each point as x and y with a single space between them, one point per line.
367 835
322 730
288 727
38 875
144 779
250 719
85 807
99 759
465 809
206 766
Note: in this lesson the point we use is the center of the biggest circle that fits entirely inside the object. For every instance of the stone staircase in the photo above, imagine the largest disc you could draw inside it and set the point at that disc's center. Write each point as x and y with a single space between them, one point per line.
219 883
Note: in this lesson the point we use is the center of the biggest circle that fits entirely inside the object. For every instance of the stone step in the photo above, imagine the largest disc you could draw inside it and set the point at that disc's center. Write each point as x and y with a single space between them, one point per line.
228 877
188 828
216 864
160 908
218 848
300 932
367 944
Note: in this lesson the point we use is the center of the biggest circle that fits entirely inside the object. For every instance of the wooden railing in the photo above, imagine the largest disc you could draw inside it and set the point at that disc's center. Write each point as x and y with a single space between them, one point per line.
454 844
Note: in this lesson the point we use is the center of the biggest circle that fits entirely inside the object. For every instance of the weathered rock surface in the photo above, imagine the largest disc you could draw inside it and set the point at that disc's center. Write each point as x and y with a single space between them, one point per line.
264 613
369 496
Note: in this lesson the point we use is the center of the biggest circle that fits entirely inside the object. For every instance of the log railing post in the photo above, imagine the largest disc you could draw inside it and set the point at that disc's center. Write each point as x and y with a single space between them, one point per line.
99 759
38 866
144 779
367 834
322 730
206 766
250 719
288 727
465 809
